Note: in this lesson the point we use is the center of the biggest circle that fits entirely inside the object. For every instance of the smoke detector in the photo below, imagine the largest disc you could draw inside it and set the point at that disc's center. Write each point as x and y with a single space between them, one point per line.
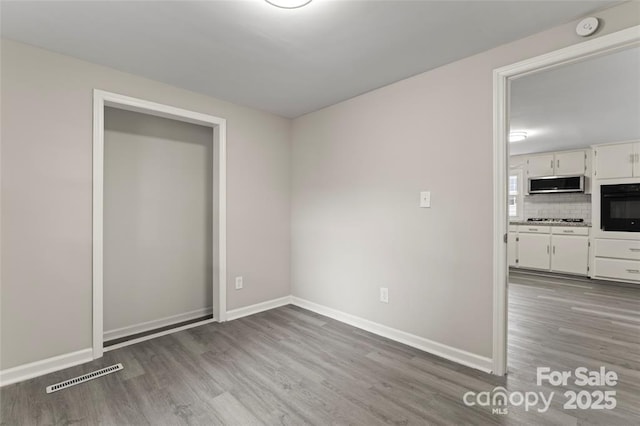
587 26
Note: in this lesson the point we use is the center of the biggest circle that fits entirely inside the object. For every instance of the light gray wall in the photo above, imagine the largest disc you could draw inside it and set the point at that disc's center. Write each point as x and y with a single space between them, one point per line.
46 114
358 167
158 218
372 155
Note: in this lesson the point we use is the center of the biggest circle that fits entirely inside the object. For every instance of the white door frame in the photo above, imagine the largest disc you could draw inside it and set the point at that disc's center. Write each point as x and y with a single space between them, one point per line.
501 77
101 99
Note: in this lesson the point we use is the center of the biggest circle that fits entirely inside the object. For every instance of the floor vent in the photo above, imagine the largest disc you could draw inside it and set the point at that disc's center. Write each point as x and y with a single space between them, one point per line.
84 378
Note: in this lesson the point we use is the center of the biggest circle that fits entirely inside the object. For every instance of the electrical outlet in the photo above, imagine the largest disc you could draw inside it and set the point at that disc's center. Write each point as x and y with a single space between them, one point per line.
384 295
239 283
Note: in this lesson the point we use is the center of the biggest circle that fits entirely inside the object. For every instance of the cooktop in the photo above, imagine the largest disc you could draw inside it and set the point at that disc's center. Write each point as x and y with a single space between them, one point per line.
547 219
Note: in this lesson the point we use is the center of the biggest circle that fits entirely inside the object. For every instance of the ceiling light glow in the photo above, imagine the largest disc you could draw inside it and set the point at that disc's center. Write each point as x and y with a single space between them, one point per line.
288 4
517 136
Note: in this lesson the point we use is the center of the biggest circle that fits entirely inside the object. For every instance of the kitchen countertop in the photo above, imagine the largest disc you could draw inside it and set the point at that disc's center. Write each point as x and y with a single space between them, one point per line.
576 224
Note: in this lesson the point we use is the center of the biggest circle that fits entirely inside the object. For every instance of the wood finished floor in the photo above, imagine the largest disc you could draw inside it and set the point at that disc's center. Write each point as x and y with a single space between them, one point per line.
291 366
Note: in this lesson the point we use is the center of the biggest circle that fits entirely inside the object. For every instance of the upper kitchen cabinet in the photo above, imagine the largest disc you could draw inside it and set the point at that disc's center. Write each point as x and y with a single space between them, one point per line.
540 165
563 163
518 161
571 163
618 160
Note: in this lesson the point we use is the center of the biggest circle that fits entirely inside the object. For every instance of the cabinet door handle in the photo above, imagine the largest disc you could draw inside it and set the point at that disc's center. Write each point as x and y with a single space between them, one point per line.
632 157
568 231
634 249
551 164
554 249
547 249
633 271
533 229
558 164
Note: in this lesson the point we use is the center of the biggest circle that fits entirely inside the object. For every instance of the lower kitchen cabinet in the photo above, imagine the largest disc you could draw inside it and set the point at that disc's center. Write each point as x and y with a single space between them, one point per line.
618 269
570 254
555 249
617 260
534 250
512 247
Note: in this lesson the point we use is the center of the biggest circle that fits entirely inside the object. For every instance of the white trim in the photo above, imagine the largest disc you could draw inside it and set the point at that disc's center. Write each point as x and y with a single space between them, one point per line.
447 352
258 307
501 76
220 134
100 100
154 324
45 366
97 226
158 334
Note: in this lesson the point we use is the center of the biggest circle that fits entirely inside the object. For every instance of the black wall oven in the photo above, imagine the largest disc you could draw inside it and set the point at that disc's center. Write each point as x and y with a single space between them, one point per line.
620 207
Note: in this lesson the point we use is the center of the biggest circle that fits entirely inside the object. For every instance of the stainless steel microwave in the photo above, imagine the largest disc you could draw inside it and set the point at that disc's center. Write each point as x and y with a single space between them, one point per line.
556 184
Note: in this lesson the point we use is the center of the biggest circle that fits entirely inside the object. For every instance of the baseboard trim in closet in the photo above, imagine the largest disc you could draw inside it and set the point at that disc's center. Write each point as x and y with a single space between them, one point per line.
146 326
258 307
156 331
167 330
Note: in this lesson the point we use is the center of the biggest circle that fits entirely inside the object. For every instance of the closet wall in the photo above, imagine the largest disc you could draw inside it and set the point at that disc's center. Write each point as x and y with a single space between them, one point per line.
157 220
46 178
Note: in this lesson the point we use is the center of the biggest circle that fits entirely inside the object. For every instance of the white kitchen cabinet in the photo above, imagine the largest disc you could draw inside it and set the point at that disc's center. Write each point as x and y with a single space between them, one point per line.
563 163
512 249
618 269
615 161
570 163
617 260
534 251
570 254
540 165
535 229
618 249
563 249
518 161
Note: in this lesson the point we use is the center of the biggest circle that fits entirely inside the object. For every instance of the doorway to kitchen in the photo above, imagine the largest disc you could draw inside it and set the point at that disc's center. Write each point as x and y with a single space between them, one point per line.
159 220
508 197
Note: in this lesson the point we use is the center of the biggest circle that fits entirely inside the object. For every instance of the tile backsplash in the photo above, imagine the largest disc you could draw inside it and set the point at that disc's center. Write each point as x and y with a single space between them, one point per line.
573 206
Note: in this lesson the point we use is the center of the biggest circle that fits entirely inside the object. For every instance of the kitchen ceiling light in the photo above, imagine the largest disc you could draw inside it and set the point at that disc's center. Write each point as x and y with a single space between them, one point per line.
517 136
288 4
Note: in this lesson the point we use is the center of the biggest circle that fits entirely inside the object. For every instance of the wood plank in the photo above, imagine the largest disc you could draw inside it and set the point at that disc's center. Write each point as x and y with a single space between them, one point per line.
291 366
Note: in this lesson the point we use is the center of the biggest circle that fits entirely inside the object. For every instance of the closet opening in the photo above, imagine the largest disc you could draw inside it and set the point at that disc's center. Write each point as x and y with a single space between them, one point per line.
159 258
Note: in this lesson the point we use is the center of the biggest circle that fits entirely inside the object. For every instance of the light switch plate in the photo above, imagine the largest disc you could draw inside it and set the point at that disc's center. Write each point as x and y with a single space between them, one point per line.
425 199
239 283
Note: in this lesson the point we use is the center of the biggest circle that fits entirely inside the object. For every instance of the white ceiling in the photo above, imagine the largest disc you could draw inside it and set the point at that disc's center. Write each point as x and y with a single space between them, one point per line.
289 62
578 105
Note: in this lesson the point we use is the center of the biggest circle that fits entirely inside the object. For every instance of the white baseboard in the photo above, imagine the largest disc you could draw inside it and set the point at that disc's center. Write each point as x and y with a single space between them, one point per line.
155 324
452 354
49 365
45 366
258 307
158 334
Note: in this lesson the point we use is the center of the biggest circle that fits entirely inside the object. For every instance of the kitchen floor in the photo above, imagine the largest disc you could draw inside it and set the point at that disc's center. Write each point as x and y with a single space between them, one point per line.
565 322
291 366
